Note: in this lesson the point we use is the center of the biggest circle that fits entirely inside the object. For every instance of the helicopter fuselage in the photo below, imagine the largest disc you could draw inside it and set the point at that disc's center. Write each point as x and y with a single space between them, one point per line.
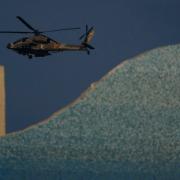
41 45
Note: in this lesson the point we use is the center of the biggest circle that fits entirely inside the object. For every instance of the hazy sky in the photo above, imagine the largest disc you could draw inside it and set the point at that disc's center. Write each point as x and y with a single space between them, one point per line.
124 28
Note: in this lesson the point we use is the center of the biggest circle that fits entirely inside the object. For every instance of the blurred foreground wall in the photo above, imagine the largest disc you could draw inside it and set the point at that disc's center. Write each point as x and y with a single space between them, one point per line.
2 102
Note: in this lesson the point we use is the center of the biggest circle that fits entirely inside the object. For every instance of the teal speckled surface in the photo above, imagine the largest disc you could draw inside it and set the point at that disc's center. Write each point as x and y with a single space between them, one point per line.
125 126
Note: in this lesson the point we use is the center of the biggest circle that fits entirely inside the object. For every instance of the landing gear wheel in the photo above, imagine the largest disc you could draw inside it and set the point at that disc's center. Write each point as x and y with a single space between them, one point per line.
30 56
88 52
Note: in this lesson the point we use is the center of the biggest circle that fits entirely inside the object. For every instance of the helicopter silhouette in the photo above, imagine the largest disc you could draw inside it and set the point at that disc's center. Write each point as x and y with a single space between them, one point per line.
40 45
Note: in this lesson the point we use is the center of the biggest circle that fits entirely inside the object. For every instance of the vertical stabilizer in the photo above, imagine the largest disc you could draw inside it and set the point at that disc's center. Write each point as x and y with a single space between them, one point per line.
90 35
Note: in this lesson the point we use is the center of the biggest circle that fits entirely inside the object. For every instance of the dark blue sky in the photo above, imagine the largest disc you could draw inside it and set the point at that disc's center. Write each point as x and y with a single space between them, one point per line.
124 28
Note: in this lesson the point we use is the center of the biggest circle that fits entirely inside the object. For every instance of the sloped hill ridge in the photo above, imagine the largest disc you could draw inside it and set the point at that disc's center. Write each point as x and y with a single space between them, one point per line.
129 121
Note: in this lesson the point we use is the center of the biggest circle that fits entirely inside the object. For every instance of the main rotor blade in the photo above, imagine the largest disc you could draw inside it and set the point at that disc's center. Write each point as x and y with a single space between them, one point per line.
16 32
25 23
62 29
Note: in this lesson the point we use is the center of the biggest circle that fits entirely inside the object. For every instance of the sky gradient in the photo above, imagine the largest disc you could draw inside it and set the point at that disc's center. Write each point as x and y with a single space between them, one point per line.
36 88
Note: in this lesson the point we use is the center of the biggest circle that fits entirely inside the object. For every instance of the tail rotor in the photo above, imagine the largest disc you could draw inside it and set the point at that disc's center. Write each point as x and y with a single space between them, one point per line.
87 36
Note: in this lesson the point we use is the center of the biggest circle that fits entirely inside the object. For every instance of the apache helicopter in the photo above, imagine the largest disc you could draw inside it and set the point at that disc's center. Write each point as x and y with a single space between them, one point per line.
40 45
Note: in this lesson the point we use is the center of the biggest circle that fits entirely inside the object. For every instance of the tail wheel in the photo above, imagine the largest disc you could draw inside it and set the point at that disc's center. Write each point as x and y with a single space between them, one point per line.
30 56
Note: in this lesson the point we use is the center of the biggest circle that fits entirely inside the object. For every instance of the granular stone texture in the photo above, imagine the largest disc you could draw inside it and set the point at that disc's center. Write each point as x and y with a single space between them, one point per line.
126 126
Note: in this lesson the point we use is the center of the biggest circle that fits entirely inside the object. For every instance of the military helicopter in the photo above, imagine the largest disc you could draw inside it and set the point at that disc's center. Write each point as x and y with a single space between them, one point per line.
40 45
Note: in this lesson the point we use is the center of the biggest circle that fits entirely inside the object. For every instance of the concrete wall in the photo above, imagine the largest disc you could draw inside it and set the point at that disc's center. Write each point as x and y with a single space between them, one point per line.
2 103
